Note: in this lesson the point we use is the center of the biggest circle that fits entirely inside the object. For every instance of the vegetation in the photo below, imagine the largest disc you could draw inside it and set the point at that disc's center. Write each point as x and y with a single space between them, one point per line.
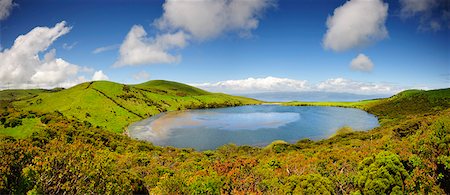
69 151
343 130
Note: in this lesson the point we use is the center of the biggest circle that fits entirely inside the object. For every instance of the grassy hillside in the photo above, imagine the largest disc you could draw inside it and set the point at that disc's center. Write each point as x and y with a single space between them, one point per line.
402 105
407 154
114 106
18 94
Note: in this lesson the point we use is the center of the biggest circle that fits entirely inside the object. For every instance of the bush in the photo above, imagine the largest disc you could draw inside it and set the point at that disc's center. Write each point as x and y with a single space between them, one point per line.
277 146
381 174
14 122
309 184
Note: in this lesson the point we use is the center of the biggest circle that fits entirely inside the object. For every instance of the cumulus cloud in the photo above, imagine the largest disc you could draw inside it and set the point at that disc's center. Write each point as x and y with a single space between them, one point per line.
106 48
22 67
266 84
275 84
53 70
99 75
142 75
21 63
138 49
433 14
5 8
355 24
184 21
207 19
361 63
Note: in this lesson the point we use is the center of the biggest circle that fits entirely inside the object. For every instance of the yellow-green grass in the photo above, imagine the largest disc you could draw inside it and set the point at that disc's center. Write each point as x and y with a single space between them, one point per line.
29 125
17 94
359 104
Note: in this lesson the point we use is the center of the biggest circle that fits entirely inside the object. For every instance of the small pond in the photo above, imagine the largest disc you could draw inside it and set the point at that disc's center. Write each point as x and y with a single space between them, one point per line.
256 125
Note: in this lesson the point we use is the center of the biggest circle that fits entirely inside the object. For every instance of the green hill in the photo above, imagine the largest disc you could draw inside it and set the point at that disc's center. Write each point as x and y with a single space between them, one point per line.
114 106
401 105
412 102
171 87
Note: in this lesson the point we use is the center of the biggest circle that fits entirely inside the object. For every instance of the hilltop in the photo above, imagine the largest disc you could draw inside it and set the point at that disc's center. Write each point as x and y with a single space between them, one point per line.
113 106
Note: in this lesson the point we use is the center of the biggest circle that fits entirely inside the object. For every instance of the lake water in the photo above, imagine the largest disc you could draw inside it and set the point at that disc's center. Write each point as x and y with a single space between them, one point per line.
256 125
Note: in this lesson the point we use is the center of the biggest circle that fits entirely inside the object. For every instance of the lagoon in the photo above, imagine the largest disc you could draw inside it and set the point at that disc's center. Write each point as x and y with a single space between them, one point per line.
256 125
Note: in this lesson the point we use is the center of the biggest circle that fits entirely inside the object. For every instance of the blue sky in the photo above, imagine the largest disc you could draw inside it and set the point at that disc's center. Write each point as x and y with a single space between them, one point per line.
407 47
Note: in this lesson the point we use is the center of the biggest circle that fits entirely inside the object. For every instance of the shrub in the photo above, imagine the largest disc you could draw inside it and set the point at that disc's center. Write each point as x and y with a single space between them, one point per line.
309 184
277 146
381 174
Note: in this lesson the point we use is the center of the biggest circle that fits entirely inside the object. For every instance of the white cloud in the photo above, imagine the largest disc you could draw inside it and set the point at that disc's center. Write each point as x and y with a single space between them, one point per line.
53 70
274 84
361 63
67 46
21 64
69 82
205 19
433 14
87 69
138 49
106 48
142 75
266 84
5 8
184 21
22 67
435 25
350 86
411 7
355 24
99 75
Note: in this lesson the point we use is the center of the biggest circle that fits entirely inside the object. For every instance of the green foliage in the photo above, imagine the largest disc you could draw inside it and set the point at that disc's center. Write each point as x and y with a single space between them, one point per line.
309 184
277 146
343 130
432 154
381 174
79 168
16 155
206 185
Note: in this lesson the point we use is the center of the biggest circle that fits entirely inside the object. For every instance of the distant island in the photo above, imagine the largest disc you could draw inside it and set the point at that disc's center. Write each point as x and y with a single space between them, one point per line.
311 96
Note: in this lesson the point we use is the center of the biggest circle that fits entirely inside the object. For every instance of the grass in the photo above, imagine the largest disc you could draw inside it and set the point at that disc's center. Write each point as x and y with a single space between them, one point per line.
359 104
29 125
18 94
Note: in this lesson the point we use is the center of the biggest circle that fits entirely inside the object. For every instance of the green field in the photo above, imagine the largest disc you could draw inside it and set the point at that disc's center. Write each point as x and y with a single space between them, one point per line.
70 141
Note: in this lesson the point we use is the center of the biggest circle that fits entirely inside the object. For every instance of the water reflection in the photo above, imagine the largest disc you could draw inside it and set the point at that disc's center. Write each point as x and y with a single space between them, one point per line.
251 125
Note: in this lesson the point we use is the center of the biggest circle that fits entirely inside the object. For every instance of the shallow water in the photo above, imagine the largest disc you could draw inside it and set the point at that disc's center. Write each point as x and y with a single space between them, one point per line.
256 125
